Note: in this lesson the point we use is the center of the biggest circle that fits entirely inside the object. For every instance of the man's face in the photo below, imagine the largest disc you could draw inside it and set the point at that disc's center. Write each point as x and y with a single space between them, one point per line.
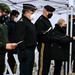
28 14
48 13
15 18
2 18
17 15
5 14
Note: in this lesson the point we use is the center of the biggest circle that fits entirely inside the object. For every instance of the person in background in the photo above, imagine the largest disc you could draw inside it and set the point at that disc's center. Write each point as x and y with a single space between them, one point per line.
43 42
60 45
74 48
73 44
4 44
11 25
26 36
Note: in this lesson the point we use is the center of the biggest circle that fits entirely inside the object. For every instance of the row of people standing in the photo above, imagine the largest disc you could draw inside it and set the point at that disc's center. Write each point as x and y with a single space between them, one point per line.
45 41
28 35
28 32
53 45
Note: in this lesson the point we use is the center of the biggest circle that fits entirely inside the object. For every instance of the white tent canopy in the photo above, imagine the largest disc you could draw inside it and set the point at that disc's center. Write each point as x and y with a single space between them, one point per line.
60 5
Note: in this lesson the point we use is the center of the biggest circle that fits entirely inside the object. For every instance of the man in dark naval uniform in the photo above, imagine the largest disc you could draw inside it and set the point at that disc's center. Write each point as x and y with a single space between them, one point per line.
26 38
43 25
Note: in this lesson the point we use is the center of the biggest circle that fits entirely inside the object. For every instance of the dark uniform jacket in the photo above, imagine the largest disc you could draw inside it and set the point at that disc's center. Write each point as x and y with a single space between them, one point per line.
42 25
3 37
60 46
11 25
25 31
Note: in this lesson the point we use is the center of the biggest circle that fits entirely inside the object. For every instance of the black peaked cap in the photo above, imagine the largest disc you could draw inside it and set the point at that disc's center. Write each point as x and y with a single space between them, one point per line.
29 7
49 8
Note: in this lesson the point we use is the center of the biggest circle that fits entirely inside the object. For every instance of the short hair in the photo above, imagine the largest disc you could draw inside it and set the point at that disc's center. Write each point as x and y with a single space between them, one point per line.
13 13
23 11
60 21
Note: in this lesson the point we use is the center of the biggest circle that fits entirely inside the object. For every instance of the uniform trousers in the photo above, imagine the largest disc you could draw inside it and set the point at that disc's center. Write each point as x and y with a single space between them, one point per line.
58 65
44 58
11 61
26 58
